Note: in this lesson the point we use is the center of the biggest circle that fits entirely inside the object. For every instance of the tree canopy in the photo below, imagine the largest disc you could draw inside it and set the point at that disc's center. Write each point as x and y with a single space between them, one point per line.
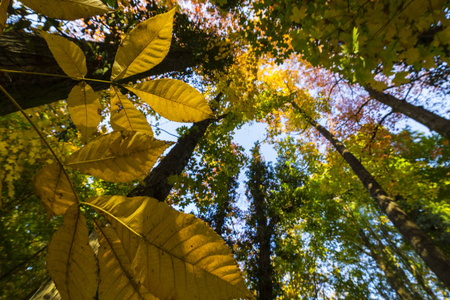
353 206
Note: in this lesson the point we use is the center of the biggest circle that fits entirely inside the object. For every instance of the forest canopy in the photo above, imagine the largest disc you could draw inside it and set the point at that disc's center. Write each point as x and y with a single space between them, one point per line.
123 176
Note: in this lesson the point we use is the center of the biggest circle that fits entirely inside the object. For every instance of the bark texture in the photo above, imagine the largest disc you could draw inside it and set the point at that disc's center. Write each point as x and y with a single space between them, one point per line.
433 257
419 114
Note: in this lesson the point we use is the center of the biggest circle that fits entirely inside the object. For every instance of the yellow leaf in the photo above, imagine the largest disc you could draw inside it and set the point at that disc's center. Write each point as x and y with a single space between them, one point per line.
67 9
173 99
84 108
54 189
125 116
174 255
3 14
67 54
117 278
144 47
118 156
70 259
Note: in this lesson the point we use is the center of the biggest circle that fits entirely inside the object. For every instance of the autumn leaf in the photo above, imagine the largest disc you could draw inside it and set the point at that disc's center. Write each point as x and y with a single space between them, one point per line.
174 255
67 9
173 99
144 47
118 280
67 54
125 116
70 259
118 156
3 14
54 189
84 108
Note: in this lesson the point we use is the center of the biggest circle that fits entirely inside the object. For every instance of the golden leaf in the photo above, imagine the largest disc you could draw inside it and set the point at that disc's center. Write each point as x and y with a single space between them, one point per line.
144 47
174 255
118 156
54 189
70 259
125 116
67 54
84 108
3 14
67 9
117 278
173 99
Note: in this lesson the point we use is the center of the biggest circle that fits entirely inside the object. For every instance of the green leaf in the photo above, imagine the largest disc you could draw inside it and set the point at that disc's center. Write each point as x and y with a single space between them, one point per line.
70 259
67 54
173 99
400 78
67 9
54 189
118 156
125 116
85 109
144 47
174 255
118 280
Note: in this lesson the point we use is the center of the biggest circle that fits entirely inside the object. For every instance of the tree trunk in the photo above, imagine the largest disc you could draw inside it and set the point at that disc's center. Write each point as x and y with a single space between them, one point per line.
419 114
263 238
156 184
223 207
393 275
20 51
433 257
264 232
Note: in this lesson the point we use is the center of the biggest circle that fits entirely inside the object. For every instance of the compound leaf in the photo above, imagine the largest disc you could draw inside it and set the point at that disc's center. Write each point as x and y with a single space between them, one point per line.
125 116
174 255
173 99
54 189
70 259
118 156
144 47
67 9
85 109
67 54
117 278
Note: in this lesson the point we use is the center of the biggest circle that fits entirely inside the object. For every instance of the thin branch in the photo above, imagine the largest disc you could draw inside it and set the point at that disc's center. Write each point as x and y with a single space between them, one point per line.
374 133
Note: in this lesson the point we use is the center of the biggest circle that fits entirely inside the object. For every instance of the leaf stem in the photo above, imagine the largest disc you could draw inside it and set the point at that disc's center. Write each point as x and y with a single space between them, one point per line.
53 75
42 138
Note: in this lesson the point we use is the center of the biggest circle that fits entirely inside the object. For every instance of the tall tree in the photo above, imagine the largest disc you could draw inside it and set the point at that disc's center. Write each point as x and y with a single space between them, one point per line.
262 223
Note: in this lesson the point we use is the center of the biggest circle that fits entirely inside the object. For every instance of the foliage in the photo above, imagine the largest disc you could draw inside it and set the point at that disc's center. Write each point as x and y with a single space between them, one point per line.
318 232
137 226
354 38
